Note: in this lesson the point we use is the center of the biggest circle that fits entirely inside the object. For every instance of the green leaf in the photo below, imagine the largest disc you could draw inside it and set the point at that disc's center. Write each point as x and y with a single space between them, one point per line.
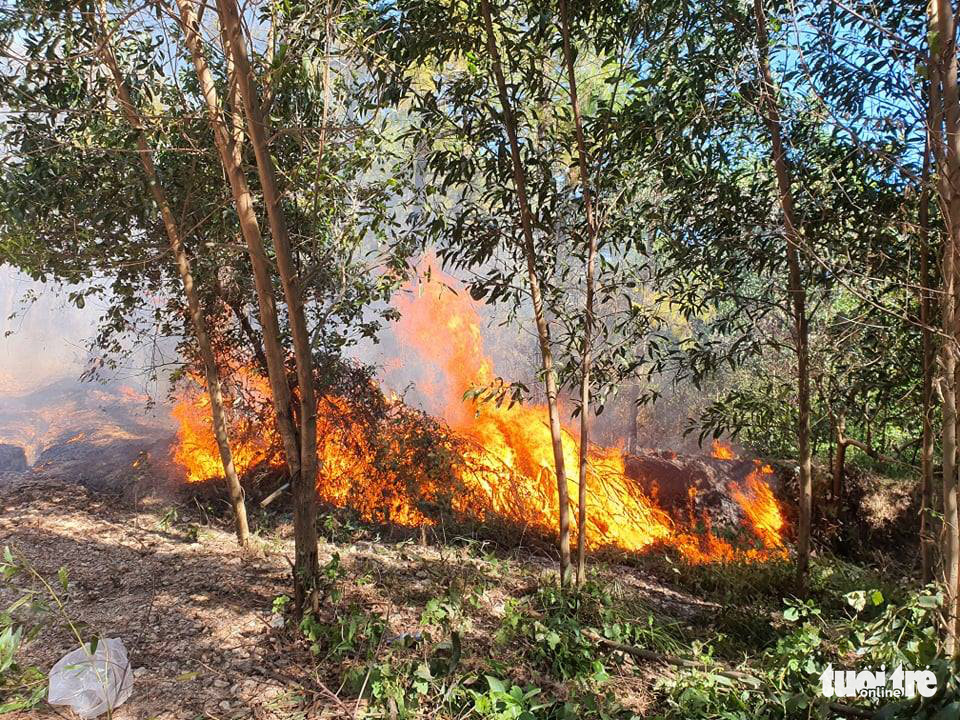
496 685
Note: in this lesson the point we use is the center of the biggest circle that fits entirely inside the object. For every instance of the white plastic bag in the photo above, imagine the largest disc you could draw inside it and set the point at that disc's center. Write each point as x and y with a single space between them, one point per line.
92 681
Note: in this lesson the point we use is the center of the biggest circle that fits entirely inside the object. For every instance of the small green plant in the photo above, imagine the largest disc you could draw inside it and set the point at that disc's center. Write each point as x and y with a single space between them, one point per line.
354 632
22 687
554 627
506 701
695 695
280 604
168 519
331 573
338 527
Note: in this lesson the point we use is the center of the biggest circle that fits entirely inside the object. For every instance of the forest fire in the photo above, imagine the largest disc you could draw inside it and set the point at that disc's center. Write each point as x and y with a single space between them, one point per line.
506 471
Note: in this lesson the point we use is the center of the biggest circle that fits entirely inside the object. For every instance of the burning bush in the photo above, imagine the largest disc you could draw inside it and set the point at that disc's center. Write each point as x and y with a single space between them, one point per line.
486 462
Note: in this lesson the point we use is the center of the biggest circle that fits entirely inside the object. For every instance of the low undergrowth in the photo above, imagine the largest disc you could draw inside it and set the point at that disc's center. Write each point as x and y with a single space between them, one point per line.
460 630
554 653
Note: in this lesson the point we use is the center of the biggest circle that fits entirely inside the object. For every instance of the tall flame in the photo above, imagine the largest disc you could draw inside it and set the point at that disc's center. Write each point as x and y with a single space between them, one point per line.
508 471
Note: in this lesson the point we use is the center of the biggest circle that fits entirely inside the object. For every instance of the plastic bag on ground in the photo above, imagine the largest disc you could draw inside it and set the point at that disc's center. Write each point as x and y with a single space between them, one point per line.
92 681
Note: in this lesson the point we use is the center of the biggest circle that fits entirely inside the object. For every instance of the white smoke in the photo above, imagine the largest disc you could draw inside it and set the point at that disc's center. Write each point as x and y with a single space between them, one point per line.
43 337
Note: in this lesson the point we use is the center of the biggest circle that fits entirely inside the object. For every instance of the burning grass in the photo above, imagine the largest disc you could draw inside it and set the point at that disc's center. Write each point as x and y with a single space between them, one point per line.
485 462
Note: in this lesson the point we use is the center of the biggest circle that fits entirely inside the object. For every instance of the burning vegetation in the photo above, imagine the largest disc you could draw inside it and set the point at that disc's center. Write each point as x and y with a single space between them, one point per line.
486 461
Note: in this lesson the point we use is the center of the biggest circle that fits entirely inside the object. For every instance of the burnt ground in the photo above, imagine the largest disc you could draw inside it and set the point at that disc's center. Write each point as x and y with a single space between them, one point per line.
196 616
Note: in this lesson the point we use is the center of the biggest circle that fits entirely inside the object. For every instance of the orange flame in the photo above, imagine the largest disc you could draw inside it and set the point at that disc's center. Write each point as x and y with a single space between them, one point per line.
508 471
722 451
759 506
196 450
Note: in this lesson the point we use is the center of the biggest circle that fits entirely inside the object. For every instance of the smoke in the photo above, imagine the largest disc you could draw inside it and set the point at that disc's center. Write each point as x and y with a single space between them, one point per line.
445 341
46 339
43 337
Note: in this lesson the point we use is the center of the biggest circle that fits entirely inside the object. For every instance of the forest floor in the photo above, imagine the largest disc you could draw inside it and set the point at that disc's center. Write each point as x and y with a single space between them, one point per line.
199 620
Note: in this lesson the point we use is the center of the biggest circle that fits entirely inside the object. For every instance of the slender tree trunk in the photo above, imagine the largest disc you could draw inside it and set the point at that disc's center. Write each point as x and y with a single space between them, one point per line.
186 276
927 547
307 566
633 437
942 35
543 328
236 307
839 457
250 229
796 290
588 318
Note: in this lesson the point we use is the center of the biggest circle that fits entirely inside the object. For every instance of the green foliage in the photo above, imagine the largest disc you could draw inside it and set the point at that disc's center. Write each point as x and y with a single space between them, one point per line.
553 625
505 701
341 632
76 158
559 630
280 604
873 633
21 686
353 632
703 695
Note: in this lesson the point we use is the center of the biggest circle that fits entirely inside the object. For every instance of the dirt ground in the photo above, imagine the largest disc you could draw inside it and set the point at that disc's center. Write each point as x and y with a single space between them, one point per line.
196 617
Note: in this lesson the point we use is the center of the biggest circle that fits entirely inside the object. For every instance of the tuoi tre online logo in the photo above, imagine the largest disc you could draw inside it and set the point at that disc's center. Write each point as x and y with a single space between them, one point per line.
877 683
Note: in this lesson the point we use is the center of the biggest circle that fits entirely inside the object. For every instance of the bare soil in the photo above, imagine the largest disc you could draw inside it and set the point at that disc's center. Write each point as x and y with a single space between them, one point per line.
196 616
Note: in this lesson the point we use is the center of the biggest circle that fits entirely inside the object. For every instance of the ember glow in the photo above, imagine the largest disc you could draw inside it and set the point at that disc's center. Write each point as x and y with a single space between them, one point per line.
722 451
507 474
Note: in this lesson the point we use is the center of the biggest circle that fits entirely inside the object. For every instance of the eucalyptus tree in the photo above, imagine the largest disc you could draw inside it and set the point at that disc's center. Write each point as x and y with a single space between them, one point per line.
944 130
307 565
798 295
500 117
229 148
102 38
77 206
583 164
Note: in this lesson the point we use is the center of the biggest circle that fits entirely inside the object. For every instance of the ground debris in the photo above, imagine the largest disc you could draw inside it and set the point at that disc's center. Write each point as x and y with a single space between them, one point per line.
198 618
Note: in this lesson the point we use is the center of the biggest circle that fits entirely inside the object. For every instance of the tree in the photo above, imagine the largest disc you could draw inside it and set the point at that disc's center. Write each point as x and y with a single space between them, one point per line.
543 328
588 319
945 131
797 292
183 267
307 566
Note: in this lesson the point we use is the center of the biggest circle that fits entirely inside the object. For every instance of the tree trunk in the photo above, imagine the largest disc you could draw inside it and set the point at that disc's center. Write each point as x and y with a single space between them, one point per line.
795 289
543 328
943 50
145 153
250 229
633 436
588 318
246 327
839 457
927 547
307 566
